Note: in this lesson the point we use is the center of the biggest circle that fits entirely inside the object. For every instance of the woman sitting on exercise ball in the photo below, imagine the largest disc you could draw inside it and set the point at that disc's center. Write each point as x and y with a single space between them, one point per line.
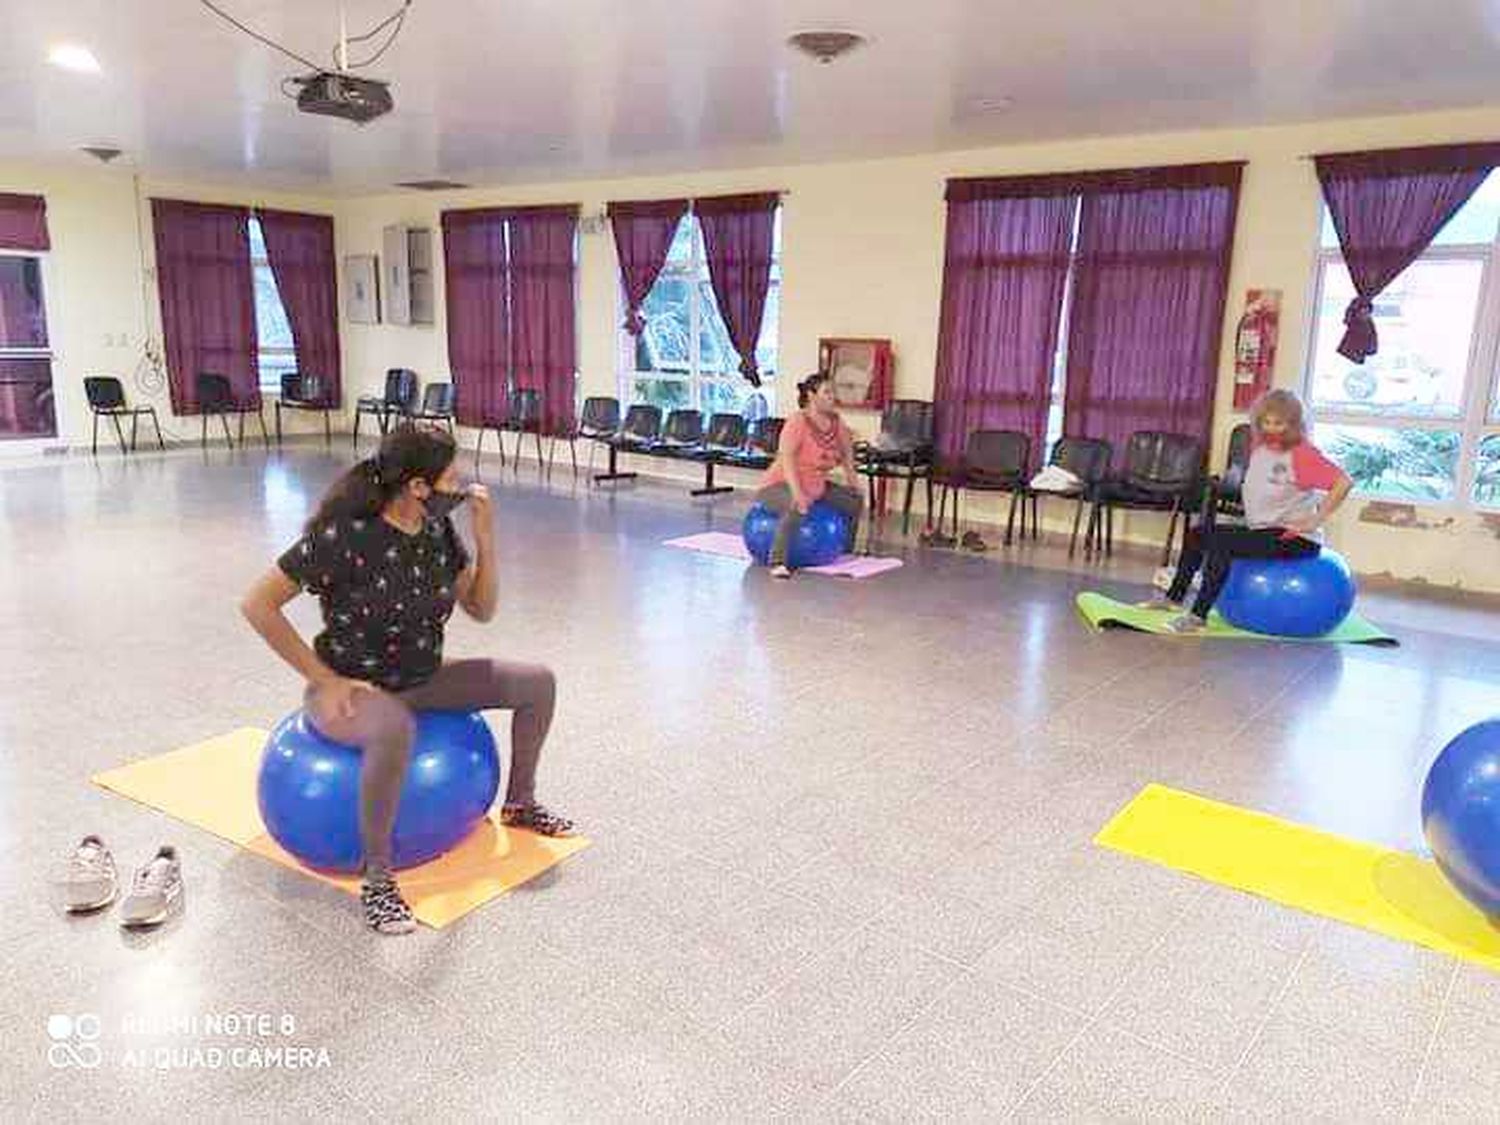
1289 492
813 443
387 566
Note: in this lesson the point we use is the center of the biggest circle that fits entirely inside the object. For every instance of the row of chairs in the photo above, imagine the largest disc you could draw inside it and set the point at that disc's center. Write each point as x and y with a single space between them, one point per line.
727 439
1161 472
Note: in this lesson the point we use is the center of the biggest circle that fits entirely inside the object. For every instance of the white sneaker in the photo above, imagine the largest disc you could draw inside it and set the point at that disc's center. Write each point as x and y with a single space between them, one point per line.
155 892
90 881
781 572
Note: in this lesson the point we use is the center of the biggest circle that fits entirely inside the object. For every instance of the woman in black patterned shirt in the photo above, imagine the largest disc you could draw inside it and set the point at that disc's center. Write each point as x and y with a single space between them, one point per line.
383 558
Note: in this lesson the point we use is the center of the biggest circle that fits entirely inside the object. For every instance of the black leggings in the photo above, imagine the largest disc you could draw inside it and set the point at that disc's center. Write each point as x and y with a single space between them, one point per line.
1212 549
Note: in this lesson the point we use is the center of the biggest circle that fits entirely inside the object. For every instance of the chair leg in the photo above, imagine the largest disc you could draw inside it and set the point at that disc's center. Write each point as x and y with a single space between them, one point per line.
1077 516
94 447
224 421
328 428
135 422
1036 515
478 446
203 434
911 486
260 416
119 433
276 409
1010 520
354 441
156 424
573 453
539 462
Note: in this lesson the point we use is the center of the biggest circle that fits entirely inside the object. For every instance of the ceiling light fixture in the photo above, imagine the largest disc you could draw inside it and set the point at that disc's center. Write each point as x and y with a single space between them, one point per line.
75 57
992 105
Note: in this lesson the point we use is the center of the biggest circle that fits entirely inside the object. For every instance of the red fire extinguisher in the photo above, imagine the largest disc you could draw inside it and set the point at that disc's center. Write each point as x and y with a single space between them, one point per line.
1255 346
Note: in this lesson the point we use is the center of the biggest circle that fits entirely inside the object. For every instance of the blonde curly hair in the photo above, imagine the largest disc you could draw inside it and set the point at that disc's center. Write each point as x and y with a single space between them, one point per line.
1287 406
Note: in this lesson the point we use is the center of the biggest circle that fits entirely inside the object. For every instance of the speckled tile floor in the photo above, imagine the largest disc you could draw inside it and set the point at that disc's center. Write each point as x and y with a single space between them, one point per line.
842 867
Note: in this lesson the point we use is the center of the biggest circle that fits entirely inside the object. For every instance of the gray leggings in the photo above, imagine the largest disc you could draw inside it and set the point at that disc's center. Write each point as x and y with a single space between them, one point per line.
383 727
778 497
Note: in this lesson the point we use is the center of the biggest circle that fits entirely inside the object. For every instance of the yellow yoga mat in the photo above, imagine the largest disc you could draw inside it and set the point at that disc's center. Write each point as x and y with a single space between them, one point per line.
1391 892
212 785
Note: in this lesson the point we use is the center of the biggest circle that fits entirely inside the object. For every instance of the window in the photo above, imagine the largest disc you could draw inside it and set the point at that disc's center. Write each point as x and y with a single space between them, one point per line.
684 359
1417 421
26 402
276 356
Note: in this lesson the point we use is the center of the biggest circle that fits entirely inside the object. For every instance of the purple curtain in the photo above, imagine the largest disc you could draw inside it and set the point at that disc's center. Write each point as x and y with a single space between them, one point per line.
1150 276
23 315
1005 267
207 292
1387 208
543 308
479 339
23 222
739 233
643 235
300 250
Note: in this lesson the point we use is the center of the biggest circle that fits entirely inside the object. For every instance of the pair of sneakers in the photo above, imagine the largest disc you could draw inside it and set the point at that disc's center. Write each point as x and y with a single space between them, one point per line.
91 882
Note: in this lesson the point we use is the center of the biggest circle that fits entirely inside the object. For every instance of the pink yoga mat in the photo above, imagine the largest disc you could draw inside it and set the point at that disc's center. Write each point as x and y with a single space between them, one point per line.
728 546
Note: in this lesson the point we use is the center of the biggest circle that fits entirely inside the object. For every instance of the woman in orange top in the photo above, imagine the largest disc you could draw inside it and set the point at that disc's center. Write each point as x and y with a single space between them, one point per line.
814 442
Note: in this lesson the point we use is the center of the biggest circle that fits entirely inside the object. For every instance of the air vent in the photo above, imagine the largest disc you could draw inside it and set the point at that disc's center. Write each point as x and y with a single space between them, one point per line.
825 46
432 185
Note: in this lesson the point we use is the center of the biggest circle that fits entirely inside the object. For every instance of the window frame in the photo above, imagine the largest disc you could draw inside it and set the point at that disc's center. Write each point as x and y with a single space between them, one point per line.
271 383
46 352
1479 412
695 273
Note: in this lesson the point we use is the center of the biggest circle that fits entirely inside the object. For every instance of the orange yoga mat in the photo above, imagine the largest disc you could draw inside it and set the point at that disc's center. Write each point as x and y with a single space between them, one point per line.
212 785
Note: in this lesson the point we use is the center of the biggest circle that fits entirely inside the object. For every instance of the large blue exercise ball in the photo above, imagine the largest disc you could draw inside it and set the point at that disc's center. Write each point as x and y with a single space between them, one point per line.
309 790
1461 814
819 540
1304 597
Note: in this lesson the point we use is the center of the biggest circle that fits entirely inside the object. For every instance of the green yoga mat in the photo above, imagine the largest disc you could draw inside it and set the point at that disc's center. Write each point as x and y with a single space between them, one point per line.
1106 613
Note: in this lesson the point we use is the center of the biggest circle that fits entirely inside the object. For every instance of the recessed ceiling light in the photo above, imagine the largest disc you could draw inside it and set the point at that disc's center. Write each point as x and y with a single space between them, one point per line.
992 105
825 46
74 57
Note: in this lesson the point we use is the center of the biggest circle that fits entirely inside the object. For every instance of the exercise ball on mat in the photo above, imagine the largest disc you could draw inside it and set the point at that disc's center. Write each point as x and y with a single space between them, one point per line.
1304 597
309 790
819 540
1461 814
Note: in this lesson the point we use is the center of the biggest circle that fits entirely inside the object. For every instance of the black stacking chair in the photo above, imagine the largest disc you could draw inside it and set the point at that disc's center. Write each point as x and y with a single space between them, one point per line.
106 396
304 392
1088 460
437 405
397 401
681 436
597 424
724 439
762 442
641 428
1162 473
216 397
525 418
903 450
1222 494
993 461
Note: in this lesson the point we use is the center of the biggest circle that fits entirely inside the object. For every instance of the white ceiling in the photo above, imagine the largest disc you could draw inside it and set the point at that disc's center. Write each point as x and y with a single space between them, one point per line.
492 91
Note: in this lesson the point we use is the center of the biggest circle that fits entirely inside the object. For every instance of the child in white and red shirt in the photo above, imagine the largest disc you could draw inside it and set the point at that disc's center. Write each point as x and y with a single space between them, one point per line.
1289 491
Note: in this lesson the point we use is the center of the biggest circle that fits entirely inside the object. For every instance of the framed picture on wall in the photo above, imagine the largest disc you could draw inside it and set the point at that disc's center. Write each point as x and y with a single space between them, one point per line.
362 289
861 370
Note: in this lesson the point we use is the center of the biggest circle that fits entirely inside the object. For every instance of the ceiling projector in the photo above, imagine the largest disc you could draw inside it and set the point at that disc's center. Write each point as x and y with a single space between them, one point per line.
330 94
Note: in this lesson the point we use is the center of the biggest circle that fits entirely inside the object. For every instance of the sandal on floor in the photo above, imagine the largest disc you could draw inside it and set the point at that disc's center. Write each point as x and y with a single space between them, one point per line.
973 542
536 818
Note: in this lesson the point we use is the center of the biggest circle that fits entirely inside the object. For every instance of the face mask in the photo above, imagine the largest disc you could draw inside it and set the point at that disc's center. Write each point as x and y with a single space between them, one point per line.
441 505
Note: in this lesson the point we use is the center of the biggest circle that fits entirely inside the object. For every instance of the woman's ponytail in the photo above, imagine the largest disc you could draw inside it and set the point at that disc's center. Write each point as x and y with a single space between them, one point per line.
407 453
809 387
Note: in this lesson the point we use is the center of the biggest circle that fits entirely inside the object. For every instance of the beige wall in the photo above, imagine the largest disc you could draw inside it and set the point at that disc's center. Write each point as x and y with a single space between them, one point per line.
862 256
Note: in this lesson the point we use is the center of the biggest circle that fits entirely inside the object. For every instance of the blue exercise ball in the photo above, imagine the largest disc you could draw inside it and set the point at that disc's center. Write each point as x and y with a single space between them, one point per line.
1461 814
309 790
1304 597
819 540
